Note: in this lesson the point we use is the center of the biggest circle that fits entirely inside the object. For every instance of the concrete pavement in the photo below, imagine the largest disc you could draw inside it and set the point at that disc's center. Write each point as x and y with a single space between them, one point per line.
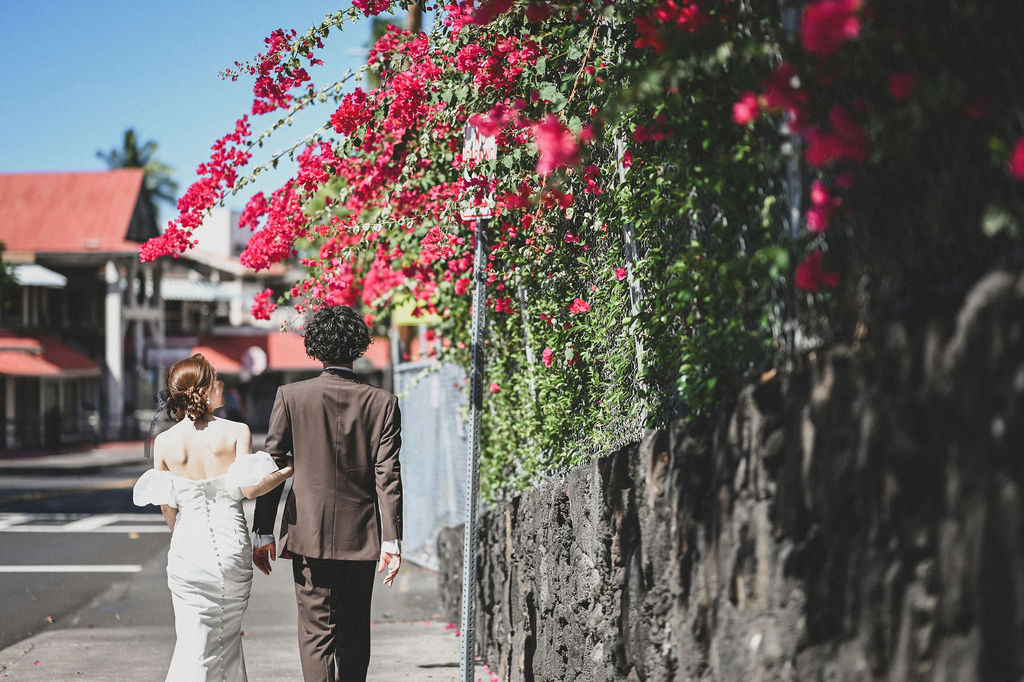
127 633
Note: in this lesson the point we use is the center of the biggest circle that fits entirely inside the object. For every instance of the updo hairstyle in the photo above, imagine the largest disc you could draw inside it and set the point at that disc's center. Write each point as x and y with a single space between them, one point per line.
188 383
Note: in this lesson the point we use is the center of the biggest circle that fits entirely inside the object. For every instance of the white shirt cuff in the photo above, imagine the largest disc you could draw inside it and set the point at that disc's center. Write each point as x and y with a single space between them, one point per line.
391 547
260 540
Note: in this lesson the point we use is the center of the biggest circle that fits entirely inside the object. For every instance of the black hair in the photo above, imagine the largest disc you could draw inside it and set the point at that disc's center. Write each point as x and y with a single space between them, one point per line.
336 335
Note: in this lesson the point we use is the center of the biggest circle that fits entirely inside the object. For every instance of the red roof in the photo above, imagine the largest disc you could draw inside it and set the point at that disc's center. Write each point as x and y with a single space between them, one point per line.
41 356
69 212
284 352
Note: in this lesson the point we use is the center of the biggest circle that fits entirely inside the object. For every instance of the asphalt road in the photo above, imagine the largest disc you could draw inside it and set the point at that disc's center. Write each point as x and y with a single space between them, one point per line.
66 539
75 552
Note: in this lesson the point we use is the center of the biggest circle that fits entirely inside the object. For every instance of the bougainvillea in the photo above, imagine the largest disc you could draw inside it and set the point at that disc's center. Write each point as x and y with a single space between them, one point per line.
642 250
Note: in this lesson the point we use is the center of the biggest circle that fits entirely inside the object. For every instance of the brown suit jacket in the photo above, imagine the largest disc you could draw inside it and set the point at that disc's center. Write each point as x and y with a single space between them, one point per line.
346 493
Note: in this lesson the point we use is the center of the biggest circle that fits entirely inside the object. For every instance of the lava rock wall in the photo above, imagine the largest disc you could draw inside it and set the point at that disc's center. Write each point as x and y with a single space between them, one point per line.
861 519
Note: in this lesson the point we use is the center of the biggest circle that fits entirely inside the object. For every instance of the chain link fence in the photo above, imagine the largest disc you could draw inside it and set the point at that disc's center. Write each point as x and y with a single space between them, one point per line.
434 442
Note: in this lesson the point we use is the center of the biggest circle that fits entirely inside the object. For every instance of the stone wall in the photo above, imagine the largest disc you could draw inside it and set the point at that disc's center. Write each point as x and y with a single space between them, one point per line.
860 520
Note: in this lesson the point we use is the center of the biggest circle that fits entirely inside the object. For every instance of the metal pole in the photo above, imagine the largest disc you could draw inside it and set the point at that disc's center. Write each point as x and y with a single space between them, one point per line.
468 626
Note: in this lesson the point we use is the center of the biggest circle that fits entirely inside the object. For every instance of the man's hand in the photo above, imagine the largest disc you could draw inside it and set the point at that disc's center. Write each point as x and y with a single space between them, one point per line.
393 562
262 556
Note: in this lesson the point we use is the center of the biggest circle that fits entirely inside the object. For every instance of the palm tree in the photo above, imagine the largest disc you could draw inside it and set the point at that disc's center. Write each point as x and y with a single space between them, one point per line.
158 183
414 18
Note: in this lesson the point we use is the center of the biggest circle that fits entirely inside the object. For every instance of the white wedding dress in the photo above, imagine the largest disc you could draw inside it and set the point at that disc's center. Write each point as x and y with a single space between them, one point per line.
209 566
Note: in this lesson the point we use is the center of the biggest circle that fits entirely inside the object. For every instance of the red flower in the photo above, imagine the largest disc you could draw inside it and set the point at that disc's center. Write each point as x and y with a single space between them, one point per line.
901 85
783 93
1017 160
352 113
546 357
826 24
262 306
372 7
579 306
822 207
556 145
538 11
494 121
745 110
810 276
686 17
846 141
495 388
620 273
488 11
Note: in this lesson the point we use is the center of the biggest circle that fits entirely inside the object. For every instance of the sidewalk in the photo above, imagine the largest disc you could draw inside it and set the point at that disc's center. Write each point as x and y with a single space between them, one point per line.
128 633
72 461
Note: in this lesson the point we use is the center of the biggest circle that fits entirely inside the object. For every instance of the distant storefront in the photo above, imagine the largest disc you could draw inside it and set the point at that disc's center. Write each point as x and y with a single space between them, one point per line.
50 394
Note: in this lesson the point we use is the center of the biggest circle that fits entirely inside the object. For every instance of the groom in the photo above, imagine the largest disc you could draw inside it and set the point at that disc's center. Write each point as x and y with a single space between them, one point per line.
343 515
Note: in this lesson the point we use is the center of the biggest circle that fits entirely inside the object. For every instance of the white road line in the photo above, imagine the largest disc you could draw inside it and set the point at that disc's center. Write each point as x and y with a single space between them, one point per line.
90 522
147 528
8 520
73 568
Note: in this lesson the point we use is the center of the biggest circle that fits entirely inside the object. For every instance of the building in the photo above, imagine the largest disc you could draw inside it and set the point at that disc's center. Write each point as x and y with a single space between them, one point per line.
72 336
87 337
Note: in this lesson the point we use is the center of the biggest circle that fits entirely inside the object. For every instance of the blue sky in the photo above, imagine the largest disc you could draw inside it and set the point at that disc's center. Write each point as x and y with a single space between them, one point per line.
77 73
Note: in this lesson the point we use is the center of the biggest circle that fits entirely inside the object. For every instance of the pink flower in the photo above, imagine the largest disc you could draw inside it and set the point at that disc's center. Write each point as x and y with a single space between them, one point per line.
822 207
826 24
783 93
556 145
262 306
901 85
1017 160
846 141
353 112
686 17
372 7
488 11
495 388
620 273
494 121
546 357
538 11
745 110
810 276
579 306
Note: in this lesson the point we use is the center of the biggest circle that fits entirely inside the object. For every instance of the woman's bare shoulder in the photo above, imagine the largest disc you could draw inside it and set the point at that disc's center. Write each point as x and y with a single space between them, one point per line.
167 446
232 426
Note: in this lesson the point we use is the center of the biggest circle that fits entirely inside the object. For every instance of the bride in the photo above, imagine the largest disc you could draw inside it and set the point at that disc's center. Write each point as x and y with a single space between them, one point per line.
202 468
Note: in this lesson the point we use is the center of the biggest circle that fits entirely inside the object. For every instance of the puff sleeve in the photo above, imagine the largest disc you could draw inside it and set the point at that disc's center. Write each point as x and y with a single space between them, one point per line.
154 487
248 470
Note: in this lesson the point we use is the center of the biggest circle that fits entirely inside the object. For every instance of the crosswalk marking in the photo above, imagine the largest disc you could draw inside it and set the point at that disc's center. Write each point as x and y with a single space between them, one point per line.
90 522
82 523
7 520
72 568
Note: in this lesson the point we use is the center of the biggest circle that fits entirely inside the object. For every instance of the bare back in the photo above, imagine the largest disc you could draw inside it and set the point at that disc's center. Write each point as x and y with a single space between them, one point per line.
201 453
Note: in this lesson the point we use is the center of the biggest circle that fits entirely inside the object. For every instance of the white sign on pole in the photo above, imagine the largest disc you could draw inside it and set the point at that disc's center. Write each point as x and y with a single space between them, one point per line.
476 148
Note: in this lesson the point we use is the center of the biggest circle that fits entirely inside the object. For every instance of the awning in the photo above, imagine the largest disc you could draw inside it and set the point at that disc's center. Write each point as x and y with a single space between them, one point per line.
32 275
41 356
181 289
